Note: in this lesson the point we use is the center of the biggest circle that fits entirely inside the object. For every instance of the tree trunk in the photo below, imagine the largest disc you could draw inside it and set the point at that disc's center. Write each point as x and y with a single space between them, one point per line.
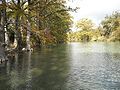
2 48
5 26
18 35
2 35
28 47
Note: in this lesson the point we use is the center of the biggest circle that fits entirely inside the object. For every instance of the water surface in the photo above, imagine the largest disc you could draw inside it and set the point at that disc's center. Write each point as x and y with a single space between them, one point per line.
74 66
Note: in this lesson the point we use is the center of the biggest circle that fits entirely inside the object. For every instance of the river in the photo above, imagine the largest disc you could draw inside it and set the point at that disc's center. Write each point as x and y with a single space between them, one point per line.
73 66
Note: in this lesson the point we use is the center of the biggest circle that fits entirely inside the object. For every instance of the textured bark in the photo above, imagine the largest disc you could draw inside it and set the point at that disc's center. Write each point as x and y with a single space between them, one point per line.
18 35
28 47
2 34
28 37
2 48
5 26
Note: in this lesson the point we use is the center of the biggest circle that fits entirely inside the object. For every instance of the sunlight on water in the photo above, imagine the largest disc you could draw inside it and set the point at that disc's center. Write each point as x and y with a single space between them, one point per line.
74 66
94 66
100 47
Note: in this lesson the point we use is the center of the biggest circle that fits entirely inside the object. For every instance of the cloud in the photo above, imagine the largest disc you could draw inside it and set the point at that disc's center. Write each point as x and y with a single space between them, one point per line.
94 9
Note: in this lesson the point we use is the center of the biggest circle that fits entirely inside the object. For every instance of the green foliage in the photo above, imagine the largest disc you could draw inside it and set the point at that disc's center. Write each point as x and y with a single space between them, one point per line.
111 23
54 20
109 30
84 36
49 21
111 27
85 24
86 31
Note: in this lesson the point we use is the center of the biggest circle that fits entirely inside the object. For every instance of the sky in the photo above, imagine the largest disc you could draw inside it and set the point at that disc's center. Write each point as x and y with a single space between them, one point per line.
95 10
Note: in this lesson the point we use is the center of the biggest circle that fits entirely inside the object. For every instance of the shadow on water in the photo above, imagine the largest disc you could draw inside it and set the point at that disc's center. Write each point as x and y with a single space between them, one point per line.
75 66
41 70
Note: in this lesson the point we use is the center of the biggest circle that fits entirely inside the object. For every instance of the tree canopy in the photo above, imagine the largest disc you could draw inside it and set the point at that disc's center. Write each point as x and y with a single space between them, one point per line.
85 24
108 30
30 23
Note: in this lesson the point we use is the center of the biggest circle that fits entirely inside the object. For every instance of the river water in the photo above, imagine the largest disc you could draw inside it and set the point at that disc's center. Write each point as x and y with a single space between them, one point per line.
73 66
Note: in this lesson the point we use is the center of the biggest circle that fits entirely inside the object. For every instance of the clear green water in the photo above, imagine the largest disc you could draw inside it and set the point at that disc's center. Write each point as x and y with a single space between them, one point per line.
74 66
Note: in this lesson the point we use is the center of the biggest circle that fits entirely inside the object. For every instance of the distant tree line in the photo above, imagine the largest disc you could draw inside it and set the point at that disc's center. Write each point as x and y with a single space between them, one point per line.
108 30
